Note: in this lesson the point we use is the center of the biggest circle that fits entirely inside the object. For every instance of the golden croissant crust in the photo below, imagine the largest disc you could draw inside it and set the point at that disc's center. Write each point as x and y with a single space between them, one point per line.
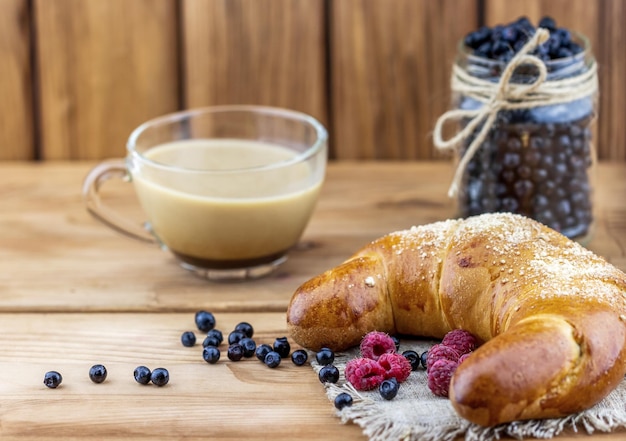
552 313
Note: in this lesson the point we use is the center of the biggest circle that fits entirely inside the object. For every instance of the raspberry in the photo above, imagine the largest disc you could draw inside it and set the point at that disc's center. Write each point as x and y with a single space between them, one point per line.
396 366
460 340
441 351
364 373
463 357
376 343
439 376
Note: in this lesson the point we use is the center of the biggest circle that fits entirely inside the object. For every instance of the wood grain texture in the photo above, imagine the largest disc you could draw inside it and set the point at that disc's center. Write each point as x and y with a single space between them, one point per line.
104 68
16 106
390 69
268 52
603 23
243 400
611 51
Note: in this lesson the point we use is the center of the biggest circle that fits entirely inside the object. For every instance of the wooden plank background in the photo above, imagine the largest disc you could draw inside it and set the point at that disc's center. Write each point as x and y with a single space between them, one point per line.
76 76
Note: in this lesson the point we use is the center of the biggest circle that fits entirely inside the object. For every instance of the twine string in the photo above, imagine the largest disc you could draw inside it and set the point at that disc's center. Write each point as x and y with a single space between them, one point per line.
505 95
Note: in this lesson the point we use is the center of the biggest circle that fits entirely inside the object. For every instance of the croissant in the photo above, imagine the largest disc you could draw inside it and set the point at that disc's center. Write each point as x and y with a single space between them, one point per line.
551 313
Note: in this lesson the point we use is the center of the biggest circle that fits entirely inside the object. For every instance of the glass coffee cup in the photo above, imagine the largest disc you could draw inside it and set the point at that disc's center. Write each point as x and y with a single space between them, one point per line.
228 190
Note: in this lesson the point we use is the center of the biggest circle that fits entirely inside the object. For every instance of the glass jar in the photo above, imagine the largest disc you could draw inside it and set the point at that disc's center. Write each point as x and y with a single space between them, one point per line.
535 160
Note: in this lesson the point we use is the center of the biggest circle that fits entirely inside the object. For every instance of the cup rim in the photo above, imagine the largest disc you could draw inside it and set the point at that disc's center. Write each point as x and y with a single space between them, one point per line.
320 130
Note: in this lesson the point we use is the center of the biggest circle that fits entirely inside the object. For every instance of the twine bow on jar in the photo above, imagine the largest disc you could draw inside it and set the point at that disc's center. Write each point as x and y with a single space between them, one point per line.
506 95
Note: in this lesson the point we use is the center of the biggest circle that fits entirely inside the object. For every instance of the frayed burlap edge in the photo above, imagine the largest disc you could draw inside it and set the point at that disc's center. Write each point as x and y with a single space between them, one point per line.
397 420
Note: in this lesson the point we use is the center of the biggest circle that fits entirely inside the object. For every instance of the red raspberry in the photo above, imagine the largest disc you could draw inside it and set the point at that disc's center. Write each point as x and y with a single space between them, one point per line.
441 351
364 373
440 375
376 343
464 357
460 340
396 366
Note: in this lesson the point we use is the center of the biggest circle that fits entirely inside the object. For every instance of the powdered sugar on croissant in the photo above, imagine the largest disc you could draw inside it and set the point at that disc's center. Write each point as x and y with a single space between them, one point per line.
552 314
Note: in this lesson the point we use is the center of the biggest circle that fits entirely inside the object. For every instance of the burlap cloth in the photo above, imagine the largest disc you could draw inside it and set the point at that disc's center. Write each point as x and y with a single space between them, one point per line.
417 414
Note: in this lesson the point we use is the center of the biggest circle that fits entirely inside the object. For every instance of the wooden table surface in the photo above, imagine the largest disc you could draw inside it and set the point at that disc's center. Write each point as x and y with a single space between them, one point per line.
74 293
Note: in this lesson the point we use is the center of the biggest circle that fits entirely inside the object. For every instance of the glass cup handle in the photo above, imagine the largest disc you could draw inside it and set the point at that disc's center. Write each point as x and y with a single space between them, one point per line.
115 168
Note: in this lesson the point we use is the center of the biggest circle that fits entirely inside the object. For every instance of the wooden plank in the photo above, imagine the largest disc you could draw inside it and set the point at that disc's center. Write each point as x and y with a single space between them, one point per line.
268 52
390 72
55 257
610 51
228 400
83 265
104 68
225 401
16 110
602 23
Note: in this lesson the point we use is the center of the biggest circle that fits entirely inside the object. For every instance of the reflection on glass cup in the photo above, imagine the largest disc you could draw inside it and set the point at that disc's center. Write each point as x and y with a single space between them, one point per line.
228 190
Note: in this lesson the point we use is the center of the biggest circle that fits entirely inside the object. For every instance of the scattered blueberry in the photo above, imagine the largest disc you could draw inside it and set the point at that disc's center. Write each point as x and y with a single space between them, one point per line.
396 341
325 356
282 346
246 328
216 333
249 346
52 379
424 358
205 321
211 354
272 359
188 339
98 373
142 375
388 389
329 374
235 352
342 400
160 377
210 341
299 357
262 351
414 359
235 337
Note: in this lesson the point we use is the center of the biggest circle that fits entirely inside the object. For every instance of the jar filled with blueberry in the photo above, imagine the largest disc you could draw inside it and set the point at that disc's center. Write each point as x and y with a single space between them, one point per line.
526 99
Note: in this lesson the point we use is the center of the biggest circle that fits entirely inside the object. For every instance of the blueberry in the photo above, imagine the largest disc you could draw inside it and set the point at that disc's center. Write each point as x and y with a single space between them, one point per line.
299 357
160 377
210 341
329 374
211 354
272 359
205 321
547 23
188 339
282 346
424 358
235 352
142 375
52 379
477 38
388 389
342 400
235 337
249 346
262 351
216 333
396 342
97 373
246 328
325 356
413 358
